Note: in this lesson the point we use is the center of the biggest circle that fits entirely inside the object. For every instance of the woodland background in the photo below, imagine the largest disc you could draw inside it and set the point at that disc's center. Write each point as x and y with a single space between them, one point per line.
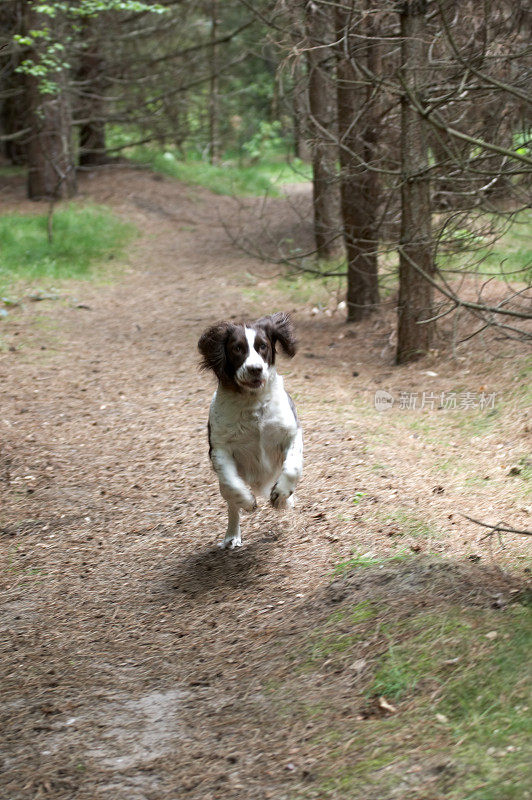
412 120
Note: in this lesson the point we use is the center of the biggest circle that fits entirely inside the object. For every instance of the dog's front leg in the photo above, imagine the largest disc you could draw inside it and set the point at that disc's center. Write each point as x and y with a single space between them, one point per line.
235 492
284 487
232 537
232 487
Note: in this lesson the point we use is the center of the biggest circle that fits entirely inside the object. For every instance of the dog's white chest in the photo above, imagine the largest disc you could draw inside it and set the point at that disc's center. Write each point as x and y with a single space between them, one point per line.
255 434
257 445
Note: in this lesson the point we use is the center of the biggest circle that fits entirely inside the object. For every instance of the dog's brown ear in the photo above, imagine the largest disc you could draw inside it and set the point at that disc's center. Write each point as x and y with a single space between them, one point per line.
280 329
212 348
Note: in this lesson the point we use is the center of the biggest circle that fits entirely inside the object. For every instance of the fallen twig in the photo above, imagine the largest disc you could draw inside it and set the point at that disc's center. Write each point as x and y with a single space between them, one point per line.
498 528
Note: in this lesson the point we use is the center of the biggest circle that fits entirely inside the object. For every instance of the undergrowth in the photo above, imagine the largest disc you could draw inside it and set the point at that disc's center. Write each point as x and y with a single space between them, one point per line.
230 177
509 258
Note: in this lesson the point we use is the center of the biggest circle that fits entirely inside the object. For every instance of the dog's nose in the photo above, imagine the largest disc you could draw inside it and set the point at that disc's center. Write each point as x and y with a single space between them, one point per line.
254 372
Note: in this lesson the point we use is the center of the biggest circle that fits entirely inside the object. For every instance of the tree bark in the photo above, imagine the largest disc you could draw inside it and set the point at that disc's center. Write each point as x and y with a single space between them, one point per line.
92 148
359 188
325 197
300 114
12 121
51 169
214 99
416 248
12 102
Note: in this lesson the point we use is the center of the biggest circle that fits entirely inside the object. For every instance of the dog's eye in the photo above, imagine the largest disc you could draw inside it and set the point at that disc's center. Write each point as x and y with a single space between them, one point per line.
238 348
262 347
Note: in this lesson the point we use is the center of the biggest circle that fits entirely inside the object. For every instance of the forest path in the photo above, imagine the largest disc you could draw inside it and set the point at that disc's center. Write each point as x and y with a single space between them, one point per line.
137 675
138 656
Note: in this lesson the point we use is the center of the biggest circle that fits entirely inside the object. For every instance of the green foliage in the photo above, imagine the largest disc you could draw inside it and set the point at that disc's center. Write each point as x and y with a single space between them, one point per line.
90 8
50 51
81 237
267 141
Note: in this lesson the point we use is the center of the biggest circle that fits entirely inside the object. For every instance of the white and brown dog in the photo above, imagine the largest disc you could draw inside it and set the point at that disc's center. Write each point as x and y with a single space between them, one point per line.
255 440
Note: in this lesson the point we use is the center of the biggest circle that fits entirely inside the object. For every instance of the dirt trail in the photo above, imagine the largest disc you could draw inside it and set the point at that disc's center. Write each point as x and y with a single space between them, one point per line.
136 655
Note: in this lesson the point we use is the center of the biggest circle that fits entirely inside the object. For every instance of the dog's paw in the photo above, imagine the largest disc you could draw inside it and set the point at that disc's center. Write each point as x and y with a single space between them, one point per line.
241 498
248 502
281 498
230 543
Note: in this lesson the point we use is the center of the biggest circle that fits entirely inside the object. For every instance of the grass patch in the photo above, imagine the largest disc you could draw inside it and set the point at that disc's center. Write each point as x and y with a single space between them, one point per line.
469 676
510 257
366 561
455 678
82 236
521 391
417 659
6 170
307 288
460 680
340 632
411 525
524 468
230 178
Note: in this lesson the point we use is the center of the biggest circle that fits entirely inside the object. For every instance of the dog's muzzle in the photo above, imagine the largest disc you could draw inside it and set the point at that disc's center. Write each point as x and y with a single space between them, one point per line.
253 377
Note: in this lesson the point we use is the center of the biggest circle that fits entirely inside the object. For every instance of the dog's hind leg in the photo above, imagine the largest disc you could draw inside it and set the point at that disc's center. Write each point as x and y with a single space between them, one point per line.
232 537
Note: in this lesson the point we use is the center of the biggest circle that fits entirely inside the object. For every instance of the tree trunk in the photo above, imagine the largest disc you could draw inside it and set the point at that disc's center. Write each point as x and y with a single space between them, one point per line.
214 100
359 188
92 149
300 113
12 121
51 170
12 101
325 197
416 250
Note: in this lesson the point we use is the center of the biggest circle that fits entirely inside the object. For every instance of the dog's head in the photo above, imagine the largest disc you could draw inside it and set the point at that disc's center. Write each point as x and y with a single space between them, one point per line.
241 356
